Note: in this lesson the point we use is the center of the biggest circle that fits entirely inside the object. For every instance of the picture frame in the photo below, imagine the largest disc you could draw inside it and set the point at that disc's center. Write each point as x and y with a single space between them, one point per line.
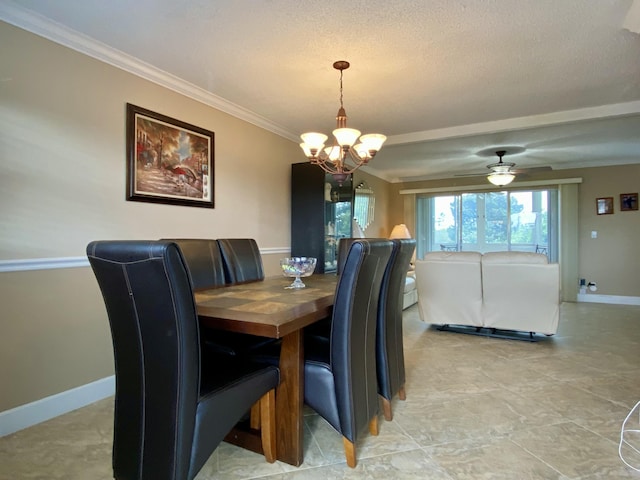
604 205
168 161
628 202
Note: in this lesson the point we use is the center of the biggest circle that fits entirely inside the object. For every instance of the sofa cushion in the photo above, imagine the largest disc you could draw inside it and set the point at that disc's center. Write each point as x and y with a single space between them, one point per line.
521 291
473 257
514 257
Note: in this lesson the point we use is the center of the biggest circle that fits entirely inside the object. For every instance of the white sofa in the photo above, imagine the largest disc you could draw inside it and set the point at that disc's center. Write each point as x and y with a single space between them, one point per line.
499 290
410 293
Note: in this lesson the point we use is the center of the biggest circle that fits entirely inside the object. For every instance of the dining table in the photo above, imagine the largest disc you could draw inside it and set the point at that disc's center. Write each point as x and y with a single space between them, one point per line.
269 309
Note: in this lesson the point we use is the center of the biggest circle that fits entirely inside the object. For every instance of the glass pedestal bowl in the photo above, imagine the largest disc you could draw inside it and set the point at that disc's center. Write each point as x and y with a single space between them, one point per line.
297 267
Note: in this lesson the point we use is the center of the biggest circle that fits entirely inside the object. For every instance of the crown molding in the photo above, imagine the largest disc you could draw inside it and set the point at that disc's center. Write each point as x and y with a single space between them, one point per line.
519 123
39 25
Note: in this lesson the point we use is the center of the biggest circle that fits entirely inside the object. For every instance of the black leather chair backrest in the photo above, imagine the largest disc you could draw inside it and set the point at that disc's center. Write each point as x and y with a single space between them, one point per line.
204 260
170 411
389 347
149 300
344 244
353 334
242 260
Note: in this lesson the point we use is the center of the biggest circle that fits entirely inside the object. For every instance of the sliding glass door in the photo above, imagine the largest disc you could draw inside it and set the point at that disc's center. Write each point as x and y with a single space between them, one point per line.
488 222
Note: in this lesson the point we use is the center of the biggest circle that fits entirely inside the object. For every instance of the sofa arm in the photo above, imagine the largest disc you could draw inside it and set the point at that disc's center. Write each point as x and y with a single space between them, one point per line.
410 292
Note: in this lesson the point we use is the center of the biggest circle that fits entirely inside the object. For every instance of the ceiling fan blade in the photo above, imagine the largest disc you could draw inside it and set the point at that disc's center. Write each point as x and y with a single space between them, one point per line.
471 174
531 169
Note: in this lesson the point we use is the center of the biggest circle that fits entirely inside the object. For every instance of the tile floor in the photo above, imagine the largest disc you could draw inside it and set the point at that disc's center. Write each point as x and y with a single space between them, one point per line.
476 408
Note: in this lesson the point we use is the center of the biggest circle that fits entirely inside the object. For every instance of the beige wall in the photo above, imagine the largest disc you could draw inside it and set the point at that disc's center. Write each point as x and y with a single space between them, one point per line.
613 259
62 140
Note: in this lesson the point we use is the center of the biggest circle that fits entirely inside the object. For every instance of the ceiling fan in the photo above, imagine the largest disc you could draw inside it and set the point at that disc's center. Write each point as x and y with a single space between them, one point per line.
503 173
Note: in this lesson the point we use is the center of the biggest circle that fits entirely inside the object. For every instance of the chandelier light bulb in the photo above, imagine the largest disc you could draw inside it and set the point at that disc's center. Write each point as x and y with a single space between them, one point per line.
373 142
313 141
346 137
333 153
362 151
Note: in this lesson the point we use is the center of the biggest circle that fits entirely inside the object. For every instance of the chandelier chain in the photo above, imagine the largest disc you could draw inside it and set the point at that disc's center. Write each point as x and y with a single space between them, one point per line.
341 72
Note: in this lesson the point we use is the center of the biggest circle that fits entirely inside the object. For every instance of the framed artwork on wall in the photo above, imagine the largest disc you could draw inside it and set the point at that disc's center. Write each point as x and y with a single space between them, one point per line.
628 201
168 161
604 205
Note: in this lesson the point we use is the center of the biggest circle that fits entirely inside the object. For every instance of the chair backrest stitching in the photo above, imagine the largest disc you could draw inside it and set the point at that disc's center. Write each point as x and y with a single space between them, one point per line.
124 266
179 336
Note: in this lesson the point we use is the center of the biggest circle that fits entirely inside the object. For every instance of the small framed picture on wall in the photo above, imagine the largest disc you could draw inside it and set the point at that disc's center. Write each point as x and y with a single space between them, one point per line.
604 205
628 201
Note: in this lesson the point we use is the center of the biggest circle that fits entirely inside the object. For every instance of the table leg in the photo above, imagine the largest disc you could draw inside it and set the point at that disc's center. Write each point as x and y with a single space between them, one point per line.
290 400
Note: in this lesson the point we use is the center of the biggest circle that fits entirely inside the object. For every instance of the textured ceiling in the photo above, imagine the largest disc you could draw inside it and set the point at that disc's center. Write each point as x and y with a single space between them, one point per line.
443 79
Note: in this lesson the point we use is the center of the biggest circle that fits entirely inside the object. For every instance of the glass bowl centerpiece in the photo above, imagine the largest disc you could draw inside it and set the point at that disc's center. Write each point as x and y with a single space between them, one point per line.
297 267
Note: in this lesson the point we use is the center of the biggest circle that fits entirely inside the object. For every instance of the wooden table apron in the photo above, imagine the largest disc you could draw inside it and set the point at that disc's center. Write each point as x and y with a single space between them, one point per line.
267 308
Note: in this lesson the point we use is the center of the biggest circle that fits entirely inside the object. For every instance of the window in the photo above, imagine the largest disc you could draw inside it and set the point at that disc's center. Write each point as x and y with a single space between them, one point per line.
486 222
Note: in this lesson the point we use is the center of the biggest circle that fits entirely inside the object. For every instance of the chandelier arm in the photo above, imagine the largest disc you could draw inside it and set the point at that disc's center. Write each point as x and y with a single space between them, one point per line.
341 165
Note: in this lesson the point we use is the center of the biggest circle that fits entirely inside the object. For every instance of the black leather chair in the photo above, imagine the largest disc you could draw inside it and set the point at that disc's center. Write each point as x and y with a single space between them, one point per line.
174 402
204 261
322 327
340 371
389 347
242 260
344 244
207 270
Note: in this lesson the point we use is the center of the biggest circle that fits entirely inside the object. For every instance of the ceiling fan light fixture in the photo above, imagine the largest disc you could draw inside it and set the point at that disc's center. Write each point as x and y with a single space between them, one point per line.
501 179
501 174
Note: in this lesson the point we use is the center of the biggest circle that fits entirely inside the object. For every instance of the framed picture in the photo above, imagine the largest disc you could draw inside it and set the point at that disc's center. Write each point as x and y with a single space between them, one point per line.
628 201
168 161
604 205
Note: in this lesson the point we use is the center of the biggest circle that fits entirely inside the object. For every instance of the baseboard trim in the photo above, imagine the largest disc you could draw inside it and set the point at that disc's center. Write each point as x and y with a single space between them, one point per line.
47 408
613 299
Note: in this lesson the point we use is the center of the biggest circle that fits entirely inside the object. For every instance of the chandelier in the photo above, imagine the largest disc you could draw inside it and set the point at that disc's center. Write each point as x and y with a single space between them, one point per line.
345 156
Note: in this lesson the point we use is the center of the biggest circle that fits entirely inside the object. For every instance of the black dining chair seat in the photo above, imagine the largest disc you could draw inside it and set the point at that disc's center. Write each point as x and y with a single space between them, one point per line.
175 401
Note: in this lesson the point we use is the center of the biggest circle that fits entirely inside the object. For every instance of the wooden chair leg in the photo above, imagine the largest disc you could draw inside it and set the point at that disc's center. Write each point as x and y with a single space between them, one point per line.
402 395
268 425
254 418
350 452
386 409
373 426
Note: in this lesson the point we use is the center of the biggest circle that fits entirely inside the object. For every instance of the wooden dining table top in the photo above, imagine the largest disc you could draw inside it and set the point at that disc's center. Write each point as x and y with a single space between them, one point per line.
267 307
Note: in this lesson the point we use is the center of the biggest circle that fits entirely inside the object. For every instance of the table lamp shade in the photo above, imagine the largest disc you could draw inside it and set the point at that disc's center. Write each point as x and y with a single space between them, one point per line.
400 231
